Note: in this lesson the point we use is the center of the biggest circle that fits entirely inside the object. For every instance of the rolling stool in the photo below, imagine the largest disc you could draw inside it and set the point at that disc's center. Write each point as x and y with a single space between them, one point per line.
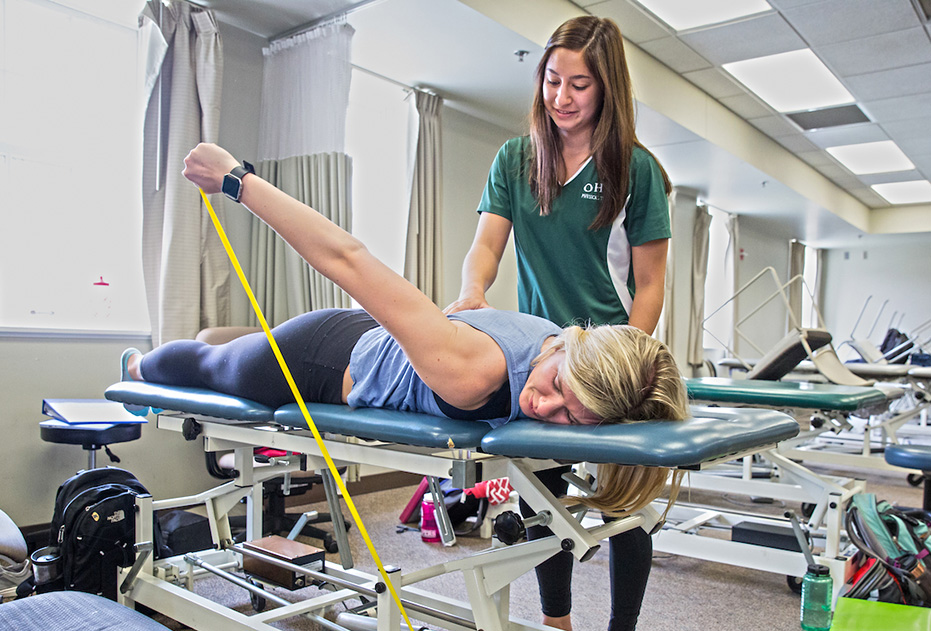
913 457
91 436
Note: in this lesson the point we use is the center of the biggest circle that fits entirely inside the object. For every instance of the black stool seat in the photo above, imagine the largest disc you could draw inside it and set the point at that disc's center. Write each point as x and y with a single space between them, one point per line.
909 456
91 436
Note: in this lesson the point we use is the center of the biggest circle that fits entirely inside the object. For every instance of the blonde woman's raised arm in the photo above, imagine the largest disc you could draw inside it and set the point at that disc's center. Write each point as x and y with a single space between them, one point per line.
456 361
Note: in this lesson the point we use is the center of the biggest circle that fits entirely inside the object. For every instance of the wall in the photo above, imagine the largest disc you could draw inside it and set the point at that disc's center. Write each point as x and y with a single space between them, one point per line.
469 147
897 271
36 367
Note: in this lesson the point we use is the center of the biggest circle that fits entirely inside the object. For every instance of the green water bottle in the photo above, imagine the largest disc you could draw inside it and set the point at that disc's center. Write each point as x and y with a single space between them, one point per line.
817 597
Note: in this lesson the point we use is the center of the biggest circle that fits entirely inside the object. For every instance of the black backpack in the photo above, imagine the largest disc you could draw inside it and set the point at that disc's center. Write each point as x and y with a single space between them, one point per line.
94 530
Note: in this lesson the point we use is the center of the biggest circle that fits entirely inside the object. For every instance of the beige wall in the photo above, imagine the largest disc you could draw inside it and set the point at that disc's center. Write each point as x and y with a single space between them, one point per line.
469 146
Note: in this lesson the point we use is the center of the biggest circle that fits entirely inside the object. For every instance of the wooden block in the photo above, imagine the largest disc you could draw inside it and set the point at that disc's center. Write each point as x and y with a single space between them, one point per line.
282 549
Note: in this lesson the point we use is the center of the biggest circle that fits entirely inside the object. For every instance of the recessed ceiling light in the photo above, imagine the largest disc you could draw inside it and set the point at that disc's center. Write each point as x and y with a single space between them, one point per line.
791 82
915 192
872 157
682 15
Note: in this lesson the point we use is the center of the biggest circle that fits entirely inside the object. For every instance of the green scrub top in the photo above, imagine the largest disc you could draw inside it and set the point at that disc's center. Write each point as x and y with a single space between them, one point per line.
566 272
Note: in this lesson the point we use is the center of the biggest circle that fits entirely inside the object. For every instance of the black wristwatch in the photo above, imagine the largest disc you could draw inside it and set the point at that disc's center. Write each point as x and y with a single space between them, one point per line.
232 181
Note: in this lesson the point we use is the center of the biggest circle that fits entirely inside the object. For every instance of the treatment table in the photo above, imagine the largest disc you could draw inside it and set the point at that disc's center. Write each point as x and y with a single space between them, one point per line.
778 474
466 452
846 425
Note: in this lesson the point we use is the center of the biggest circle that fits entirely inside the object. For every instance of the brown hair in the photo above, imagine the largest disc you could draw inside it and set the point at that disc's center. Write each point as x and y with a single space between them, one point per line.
614 137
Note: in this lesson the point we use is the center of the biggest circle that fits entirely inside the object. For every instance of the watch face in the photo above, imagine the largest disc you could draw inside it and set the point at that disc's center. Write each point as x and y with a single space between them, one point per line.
232 186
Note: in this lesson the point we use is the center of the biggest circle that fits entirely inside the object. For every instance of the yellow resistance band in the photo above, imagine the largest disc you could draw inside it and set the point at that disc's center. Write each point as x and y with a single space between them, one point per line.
300 402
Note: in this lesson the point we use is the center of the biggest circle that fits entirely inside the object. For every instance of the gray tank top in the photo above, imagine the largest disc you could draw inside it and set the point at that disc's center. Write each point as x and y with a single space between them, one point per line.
384 378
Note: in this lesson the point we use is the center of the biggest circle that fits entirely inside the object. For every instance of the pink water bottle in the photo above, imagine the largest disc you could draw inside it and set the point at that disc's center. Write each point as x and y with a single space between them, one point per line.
428 530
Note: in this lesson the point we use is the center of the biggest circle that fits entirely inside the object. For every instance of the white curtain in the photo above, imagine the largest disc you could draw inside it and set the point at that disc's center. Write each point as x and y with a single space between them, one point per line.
817 288
283 283
186 270
796 269
422 261
732 260
302 123
700 238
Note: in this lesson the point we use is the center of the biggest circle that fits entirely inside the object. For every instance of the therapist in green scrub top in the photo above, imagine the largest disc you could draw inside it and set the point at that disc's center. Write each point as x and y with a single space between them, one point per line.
588 206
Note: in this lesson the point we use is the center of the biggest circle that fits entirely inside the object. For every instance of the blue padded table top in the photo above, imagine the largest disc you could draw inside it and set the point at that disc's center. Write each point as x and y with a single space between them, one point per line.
710 434
407 428
191 400
754 392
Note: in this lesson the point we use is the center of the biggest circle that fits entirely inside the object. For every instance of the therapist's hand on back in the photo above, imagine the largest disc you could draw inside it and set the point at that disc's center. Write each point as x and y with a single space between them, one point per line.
466 304
206 165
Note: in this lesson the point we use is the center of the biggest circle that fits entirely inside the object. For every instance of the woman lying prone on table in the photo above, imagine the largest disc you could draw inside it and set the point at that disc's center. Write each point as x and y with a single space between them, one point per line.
403 353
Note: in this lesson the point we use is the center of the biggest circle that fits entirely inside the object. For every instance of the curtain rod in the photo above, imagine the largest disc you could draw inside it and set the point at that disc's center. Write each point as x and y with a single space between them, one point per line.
394 81
326 18
321 20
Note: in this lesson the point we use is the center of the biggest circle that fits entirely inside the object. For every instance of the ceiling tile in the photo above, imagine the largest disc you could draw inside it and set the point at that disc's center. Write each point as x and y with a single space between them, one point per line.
789 4
816 158
744 39
775 126
890 83
882 52
919 128
869 197
796 143
636 24
672 52
848 135
895 176
922 162
900 108
912 136
746 106
715 82
840 176
834 21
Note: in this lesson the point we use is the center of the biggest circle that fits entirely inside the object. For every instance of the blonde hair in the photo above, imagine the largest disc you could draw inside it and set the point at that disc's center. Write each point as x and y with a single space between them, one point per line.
621 374
614 137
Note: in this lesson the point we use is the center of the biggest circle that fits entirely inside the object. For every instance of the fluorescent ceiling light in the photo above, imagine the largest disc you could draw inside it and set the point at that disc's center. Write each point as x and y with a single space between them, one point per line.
682 15
872 157
791 82
916 192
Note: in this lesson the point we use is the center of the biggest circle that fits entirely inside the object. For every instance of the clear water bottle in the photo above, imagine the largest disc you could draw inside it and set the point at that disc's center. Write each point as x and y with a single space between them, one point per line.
817 597
429 531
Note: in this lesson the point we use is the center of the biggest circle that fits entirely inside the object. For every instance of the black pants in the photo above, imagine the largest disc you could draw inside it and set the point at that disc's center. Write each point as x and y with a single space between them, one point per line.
630 559
316 346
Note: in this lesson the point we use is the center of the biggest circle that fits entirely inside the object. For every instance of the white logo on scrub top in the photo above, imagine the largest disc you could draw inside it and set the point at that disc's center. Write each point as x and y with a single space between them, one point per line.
592 191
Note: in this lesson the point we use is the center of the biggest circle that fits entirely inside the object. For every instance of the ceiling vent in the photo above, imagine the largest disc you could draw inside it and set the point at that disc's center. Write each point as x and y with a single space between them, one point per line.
924 9
829 117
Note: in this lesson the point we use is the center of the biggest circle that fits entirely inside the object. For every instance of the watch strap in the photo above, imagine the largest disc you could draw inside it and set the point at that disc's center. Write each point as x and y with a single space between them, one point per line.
242 169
